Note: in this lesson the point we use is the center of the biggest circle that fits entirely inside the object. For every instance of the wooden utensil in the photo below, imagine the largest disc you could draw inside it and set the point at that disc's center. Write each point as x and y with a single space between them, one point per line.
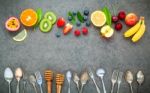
49 77
59 82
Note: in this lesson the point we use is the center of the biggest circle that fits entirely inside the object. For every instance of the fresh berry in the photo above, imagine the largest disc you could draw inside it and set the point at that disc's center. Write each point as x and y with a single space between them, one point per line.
58 34
115 19
78 24
77 33
84 31
74 13
122 15
88 23
61 22
69 18
86 12
85 18
118 26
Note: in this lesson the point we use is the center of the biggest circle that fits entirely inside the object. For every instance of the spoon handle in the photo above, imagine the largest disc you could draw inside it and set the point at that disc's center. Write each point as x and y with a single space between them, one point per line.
104 89
97 88
138 89
118 87
131 88
112 88
9 88
49 86
24 85
81 89
17 90
41 89
35 88
69 88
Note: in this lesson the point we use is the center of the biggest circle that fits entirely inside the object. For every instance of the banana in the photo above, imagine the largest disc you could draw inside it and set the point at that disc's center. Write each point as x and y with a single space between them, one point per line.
140 32
133 30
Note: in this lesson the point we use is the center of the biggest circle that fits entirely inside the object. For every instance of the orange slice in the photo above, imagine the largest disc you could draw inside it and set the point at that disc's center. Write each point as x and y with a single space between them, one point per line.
28 17
98 18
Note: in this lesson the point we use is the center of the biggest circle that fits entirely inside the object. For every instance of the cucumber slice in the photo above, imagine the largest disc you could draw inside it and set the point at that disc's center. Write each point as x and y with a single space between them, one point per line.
45 25
51 16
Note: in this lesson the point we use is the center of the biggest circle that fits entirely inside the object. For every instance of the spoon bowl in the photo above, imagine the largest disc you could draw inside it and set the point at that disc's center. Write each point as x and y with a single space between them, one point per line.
100 72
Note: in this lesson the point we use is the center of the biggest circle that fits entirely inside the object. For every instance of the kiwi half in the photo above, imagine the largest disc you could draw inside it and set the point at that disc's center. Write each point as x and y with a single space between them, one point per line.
51 16
45 25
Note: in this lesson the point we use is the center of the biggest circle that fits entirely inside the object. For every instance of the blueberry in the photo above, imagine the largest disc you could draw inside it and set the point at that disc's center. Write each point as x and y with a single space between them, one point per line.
88 23
69 18
86 12
58 34
78 23
74 13
85 18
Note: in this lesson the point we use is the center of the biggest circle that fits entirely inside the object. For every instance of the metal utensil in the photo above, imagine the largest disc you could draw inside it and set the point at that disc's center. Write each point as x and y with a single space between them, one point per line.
39 80
18 75
140 79
120 75
93 79
76 79
84 78
114 79
100 73
24 81
69 76
129 79
8 75
33 82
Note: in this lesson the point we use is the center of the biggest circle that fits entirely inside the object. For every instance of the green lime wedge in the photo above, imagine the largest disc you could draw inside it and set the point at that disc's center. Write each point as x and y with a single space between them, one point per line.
20 36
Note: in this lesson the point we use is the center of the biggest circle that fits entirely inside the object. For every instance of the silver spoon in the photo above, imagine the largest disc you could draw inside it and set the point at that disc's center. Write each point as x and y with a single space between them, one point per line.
18 75
33 81
84 78
69 76
93 79
8 75
76 80
24 81
119 80
100 73
129 79
114 79
140 79
39 80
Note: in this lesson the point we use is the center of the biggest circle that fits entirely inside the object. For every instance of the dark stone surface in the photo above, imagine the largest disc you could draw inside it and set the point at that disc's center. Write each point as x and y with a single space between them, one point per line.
42 51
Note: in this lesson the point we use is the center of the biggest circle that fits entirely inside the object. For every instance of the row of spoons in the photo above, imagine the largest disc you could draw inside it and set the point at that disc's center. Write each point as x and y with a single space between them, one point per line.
80 82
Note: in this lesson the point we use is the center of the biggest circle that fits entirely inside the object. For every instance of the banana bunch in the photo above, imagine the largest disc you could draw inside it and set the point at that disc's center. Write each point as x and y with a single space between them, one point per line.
136 31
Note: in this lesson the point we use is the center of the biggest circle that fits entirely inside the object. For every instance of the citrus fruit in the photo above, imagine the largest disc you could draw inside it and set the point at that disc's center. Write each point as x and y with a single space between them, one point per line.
45 25
51 16
12 24
98 18
28 17
20 36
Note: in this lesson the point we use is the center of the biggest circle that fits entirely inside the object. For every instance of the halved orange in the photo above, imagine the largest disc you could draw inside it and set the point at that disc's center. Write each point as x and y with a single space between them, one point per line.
28 17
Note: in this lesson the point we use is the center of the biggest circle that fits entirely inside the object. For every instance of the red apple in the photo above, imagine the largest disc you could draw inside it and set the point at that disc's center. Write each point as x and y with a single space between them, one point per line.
131 19
61 22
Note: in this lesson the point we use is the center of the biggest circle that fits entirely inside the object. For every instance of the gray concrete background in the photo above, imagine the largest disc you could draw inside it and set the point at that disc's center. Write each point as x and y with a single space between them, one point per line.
42 51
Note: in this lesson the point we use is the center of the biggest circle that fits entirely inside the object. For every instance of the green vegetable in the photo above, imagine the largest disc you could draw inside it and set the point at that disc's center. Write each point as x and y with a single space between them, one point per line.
73 21
39 14
80 17
108 15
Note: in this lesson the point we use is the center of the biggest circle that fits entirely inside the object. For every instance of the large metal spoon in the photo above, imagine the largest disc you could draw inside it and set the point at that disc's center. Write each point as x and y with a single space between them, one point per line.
114 79
8 75
33 82
84 78
129 79
39 80
18 75
69 76
76 80
100 73
140 79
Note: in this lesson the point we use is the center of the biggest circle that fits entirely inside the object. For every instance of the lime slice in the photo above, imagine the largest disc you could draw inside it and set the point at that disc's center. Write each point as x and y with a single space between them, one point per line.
20 36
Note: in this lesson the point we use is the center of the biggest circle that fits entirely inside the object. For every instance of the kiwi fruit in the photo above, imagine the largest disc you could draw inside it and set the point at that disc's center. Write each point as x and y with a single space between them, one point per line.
51 16
45 25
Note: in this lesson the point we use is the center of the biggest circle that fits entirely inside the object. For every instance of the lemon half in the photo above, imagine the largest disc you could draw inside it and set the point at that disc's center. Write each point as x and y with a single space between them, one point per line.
20 36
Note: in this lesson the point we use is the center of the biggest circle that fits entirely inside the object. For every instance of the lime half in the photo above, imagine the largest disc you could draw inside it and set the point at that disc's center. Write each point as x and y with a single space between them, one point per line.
20 36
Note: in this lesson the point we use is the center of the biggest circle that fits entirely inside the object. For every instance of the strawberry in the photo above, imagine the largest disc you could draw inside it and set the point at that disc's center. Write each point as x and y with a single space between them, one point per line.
61 22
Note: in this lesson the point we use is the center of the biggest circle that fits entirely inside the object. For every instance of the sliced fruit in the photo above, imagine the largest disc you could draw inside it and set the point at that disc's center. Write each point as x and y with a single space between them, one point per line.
21 36
51 16
61 22
45 25
28 17
140 32
98 18
131 19
12 24
107 31
134 29
67 28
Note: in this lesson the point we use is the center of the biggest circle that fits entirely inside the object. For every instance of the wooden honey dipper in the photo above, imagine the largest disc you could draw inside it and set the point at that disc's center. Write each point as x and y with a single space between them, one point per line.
59 82
49 77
